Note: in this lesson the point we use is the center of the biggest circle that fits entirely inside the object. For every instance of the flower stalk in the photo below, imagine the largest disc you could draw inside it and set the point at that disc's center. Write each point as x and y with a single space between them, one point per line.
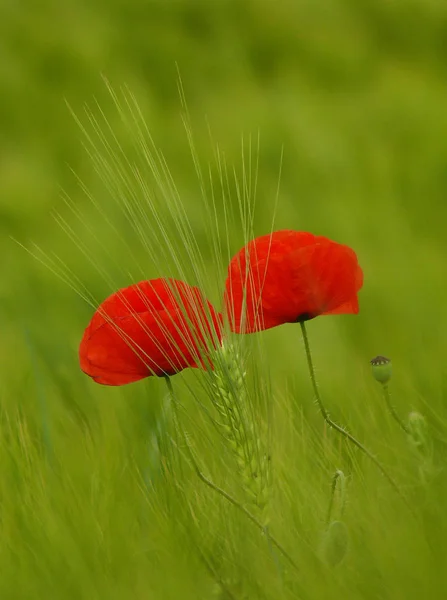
348 436
392 410
381 368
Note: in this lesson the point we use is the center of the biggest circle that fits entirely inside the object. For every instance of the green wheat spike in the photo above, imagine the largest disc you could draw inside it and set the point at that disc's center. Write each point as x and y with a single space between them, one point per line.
239 429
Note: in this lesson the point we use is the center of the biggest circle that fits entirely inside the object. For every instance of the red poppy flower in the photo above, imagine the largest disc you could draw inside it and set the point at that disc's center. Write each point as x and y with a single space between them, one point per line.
156 327
288 277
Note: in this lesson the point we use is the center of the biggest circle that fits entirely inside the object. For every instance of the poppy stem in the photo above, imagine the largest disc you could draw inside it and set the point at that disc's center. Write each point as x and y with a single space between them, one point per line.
389 404
242 508
332 423
225 494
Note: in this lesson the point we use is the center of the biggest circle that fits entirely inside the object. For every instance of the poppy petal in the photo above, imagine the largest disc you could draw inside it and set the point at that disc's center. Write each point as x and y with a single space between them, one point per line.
157 327
290 276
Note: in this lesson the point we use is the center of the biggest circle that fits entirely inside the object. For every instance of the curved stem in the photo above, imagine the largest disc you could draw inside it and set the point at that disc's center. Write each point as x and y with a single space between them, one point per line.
387 397
246 512
226 495
335 425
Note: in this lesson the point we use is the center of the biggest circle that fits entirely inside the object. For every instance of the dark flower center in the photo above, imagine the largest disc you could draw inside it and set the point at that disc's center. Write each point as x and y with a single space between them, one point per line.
380 360
304 317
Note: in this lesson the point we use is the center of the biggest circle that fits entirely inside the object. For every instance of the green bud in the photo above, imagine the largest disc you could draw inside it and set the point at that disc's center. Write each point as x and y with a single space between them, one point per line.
418 430
335 543
381 369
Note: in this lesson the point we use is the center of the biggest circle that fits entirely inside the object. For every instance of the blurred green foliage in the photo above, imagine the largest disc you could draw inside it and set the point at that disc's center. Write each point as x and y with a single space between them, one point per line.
352 92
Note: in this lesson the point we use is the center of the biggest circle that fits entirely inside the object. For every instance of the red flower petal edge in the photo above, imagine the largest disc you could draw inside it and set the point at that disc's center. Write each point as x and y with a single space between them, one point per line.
156 327
290 276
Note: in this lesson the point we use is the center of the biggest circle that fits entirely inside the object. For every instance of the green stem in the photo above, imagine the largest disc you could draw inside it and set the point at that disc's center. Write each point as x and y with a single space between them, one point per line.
332 423
225 494
242 508
387 397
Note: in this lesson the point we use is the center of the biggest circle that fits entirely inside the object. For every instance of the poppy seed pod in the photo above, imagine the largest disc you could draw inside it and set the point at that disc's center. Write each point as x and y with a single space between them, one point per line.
381 368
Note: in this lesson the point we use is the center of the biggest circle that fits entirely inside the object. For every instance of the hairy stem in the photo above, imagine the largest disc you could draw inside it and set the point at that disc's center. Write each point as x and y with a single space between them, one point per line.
242 508
335 425
387 397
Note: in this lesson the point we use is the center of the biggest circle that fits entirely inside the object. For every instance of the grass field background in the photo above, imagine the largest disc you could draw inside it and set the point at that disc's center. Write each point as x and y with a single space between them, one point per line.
347 100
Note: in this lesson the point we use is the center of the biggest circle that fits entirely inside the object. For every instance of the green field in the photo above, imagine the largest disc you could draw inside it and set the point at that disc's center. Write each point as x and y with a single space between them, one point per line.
325 116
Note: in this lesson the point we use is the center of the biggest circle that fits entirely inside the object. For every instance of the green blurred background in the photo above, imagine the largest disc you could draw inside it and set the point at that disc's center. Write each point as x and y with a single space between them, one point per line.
353 92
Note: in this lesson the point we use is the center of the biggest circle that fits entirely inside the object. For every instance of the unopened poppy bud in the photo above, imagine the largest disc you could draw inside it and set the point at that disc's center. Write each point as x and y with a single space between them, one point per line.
381 369
335 543
418 430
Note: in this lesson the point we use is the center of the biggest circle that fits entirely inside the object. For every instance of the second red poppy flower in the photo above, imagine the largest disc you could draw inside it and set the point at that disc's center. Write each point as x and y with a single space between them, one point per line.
290 276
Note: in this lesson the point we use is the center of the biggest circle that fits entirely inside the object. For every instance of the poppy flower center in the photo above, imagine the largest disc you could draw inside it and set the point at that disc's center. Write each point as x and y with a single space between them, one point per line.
305 317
